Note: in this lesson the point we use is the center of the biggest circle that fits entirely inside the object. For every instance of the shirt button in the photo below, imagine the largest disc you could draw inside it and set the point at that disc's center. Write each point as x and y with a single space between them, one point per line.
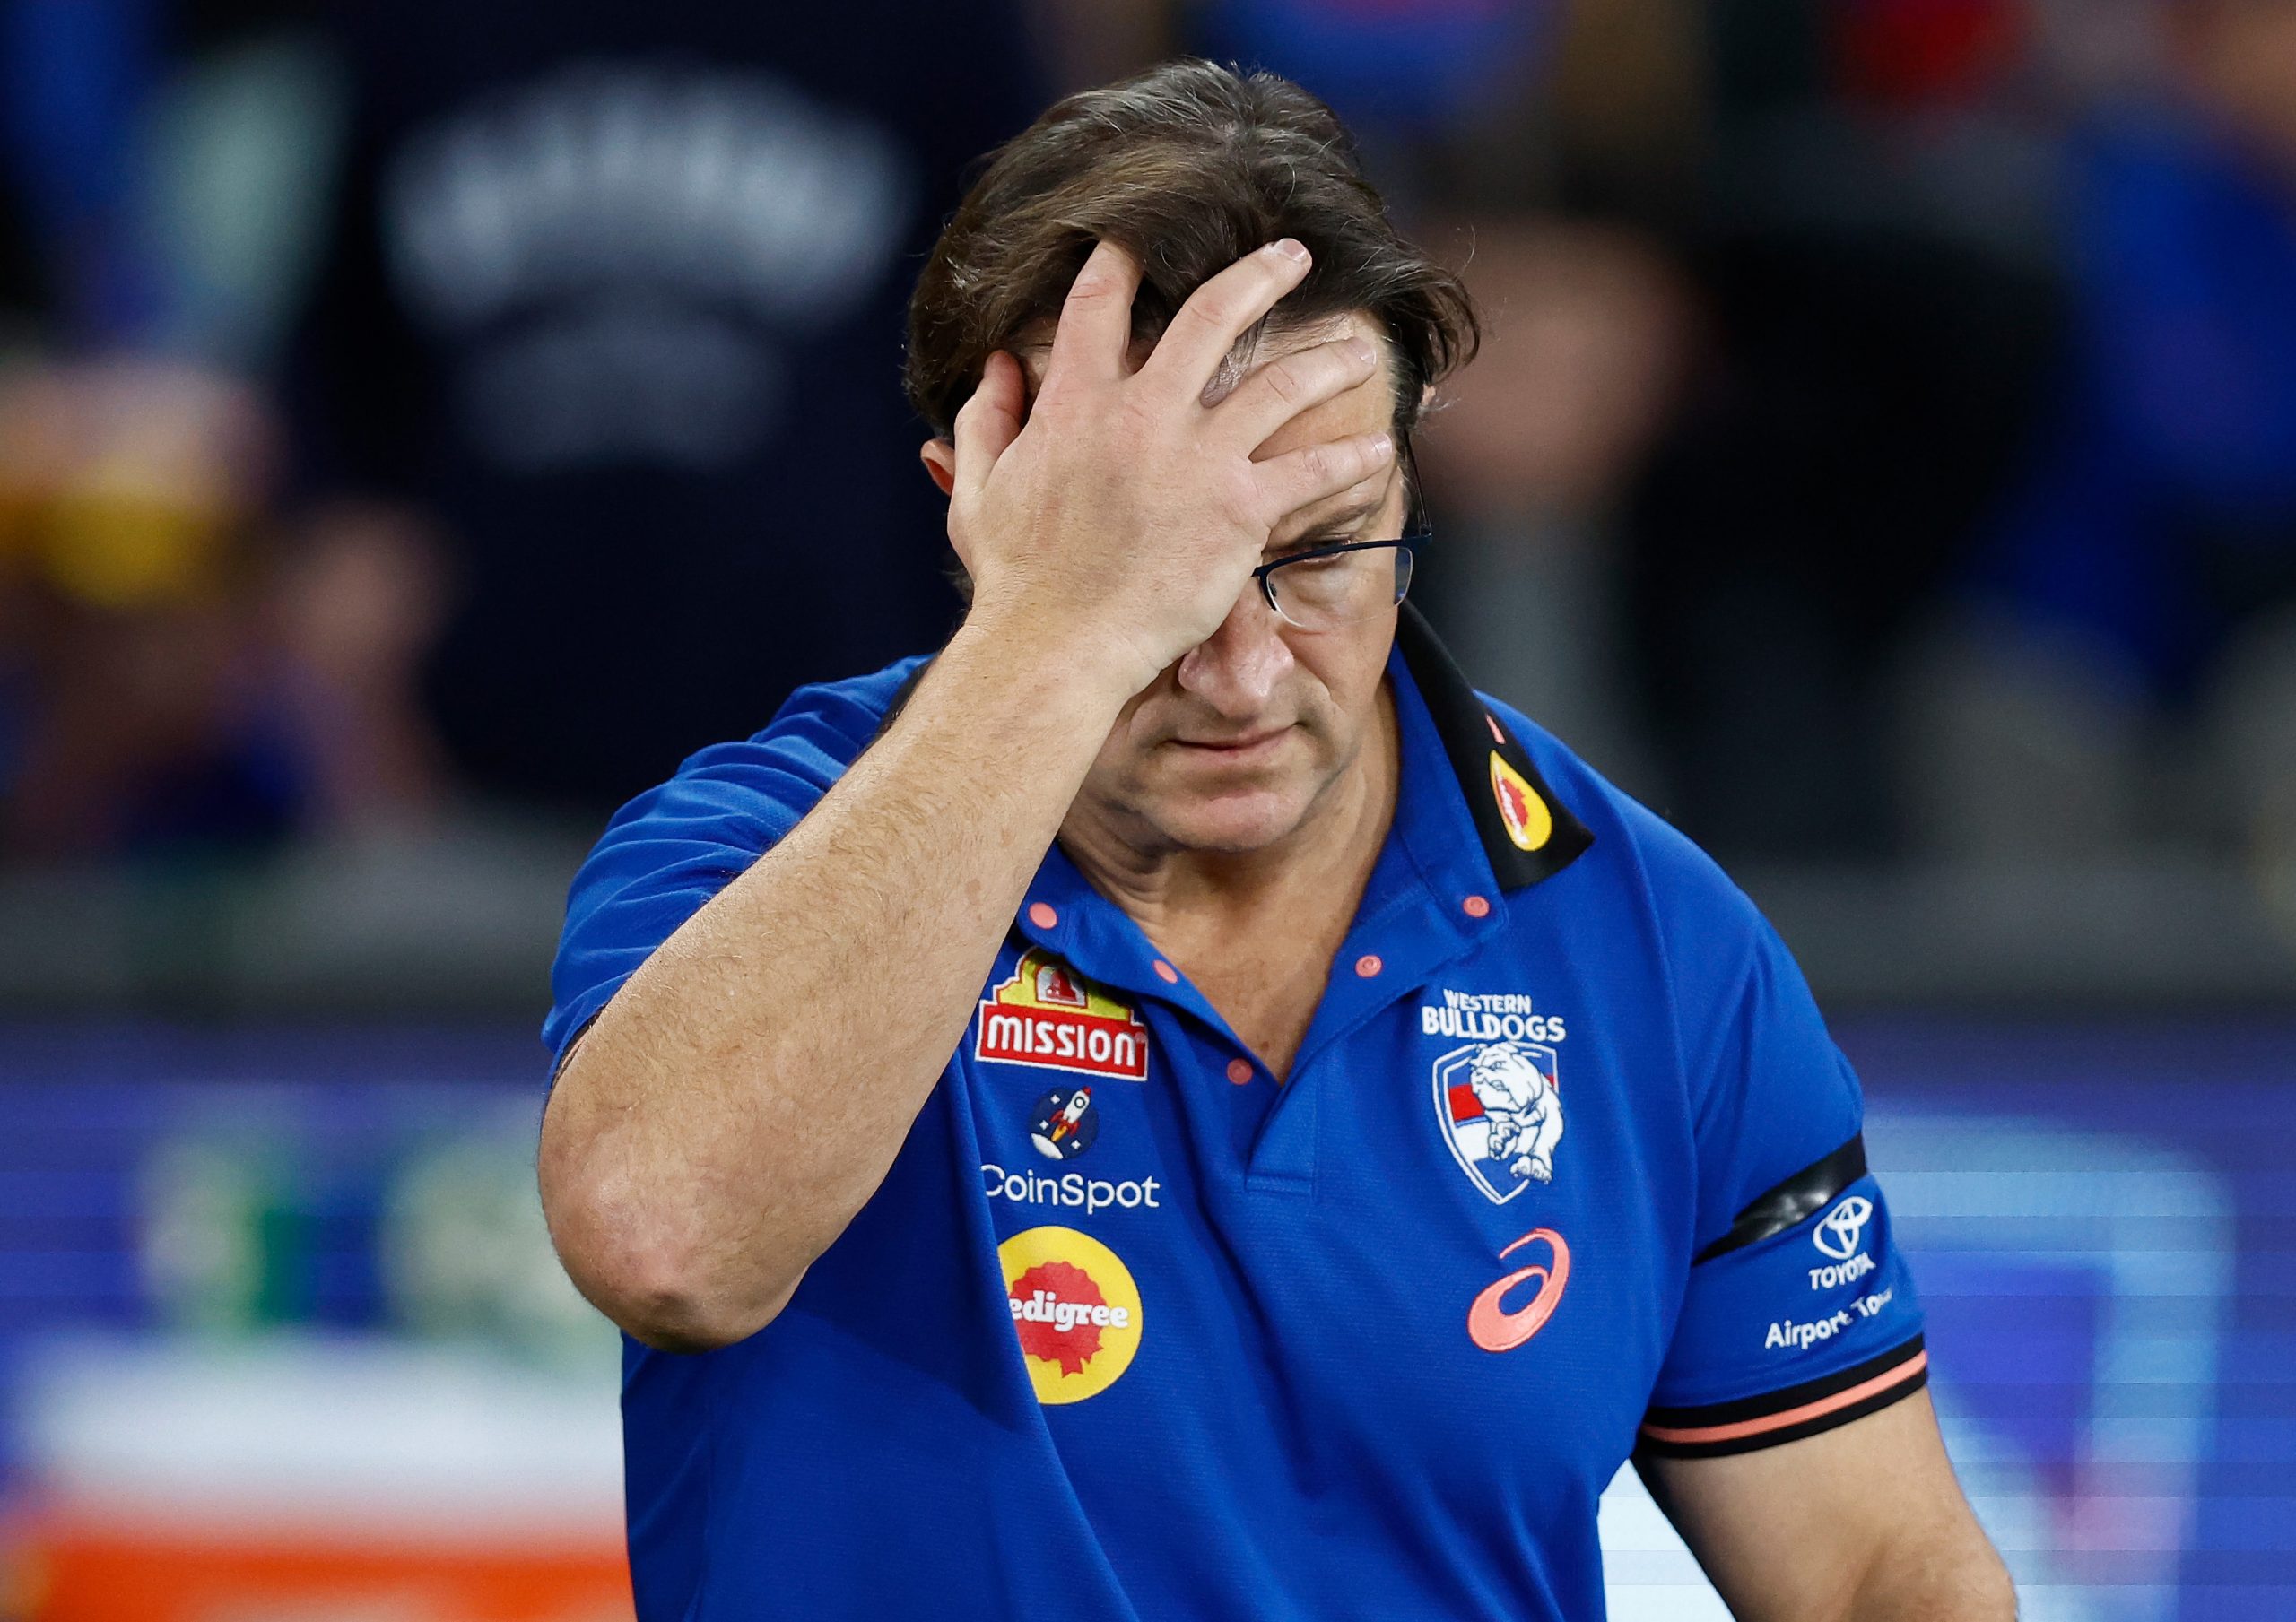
1476 906
1240 1071
1167 973
1042 916
1367 964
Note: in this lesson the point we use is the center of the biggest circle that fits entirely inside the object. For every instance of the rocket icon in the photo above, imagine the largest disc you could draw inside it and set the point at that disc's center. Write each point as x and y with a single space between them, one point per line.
1063 1125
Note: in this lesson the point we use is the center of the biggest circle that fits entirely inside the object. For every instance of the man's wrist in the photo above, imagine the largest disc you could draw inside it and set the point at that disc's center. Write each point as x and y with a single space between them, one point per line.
1089 675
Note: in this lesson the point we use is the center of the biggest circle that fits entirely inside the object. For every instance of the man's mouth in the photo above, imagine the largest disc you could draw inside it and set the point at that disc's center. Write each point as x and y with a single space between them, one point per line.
1237 748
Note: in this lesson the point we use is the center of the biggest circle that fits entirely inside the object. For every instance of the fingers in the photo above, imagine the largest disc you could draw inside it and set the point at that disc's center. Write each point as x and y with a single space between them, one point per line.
1279 391
988 422
1314 473
1219 313
1095 330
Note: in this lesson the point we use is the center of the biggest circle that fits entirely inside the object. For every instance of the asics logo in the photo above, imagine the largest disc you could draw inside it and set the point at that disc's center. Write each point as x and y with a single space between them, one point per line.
1496 1327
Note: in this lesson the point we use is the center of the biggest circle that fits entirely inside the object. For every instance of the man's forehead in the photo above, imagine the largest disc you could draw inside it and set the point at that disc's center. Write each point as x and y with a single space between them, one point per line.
1344 511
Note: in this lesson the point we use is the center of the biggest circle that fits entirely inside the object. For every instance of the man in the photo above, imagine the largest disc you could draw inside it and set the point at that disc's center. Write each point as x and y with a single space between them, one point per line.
1286 1339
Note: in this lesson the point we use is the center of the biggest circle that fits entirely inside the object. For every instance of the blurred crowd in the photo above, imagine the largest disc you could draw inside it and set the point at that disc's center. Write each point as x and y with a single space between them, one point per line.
1883 448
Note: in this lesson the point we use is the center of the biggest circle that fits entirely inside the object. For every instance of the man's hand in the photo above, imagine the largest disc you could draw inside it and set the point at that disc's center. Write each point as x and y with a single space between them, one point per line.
1127 516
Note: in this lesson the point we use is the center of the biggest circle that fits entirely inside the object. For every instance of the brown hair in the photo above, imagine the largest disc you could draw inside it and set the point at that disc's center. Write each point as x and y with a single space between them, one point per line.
1188 166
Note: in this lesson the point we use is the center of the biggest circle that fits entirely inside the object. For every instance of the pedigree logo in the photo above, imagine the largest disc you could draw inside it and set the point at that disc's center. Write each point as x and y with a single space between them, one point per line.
1075 1311
1050 1016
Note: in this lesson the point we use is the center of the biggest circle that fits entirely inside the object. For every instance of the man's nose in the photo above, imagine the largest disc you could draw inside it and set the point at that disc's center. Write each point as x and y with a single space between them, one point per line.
1238 669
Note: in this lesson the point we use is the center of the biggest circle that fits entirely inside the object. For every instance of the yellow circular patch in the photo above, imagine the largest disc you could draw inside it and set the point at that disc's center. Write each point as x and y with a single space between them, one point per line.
1529 824
1074 1308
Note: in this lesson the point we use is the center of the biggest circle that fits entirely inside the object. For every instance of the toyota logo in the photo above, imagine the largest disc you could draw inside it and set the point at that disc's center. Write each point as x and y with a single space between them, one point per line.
1838 1232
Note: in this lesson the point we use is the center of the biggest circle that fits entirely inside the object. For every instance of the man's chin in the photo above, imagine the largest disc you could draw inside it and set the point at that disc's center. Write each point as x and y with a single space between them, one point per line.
1233 823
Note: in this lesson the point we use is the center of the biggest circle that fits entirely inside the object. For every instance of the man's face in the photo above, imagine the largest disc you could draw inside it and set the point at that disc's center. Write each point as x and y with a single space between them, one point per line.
1231 748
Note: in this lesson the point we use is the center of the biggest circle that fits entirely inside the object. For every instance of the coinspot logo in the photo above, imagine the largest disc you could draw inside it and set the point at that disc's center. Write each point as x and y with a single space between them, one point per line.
1075 1310
1838 1234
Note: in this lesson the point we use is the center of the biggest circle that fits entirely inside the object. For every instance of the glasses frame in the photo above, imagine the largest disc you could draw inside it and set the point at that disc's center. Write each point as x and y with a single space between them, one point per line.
1415 536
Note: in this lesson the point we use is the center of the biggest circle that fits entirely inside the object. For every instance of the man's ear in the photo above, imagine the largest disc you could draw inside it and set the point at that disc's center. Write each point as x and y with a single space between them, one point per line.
940 459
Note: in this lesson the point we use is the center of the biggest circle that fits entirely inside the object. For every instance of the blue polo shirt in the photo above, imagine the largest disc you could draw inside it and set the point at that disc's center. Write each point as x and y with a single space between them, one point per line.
1566 1166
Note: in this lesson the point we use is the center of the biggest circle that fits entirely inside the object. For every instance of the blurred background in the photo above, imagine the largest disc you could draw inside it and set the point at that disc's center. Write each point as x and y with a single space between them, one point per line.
422 424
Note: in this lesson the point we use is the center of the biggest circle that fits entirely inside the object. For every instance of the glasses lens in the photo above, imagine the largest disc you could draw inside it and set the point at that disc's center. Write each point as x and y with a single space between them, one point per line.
1319 593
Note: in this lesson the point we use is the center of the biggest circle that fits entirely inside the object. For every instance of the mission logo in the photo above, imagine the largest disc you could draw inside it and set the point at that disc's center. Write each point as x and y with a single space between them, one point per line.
1050 1016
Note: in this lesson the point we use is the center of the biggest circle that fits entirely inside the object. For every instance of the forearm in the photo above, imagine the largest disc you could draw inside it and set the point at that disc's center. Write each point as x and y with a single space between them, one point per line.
1862 1523
745 1092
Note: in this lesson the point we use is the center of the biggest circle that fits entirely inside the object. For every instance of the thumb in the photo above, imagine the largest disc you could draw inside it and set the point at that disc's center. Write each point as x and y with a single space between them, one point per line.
988 422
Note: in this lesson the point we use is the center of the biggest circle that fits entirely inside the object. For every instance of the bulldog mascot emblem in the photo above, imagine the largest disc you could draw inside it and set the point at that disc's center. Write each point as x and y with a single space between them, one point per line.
1501 1109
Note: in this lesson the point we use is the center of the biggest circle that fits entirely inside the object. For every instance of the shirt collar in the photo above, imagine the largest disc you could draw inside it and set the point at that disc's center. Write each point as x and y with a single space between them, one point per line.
1528 835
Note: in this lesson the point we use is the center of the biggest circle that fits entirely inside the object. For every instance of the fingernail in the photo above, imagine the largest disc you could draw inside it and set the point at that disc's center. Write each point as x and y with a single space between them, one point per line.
1360 350
1381 444
1292 247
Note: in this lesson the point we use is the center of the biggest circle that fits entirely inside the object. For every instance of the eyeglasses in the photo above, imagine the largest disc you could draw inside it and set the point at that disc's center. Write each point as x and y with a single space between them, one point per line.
1326 587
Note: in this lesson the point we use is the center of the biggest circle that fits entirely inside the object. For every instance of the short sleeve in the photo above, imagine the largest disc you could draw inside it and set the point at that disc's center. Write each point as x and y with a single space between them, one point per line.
669 851
1799 1313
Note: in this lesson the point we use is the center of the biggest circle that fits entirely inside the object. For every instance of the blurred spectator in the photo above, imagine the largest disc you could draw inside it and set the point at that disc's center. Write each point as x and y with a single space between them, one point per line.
143 715
1586 328
610 324
145 700
2132 663
1566 207
1875 311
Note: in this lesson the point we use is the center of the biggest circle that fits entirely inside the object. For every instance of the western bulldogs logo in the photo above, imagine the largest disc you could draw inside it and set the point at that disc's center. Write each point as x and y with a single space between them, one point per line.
1501 1109
1064 1123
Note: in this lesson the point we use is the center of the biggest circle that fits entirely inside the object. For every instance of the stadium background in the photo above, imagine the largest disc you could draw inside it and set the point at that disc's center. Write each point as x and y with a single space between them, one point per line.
420 425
